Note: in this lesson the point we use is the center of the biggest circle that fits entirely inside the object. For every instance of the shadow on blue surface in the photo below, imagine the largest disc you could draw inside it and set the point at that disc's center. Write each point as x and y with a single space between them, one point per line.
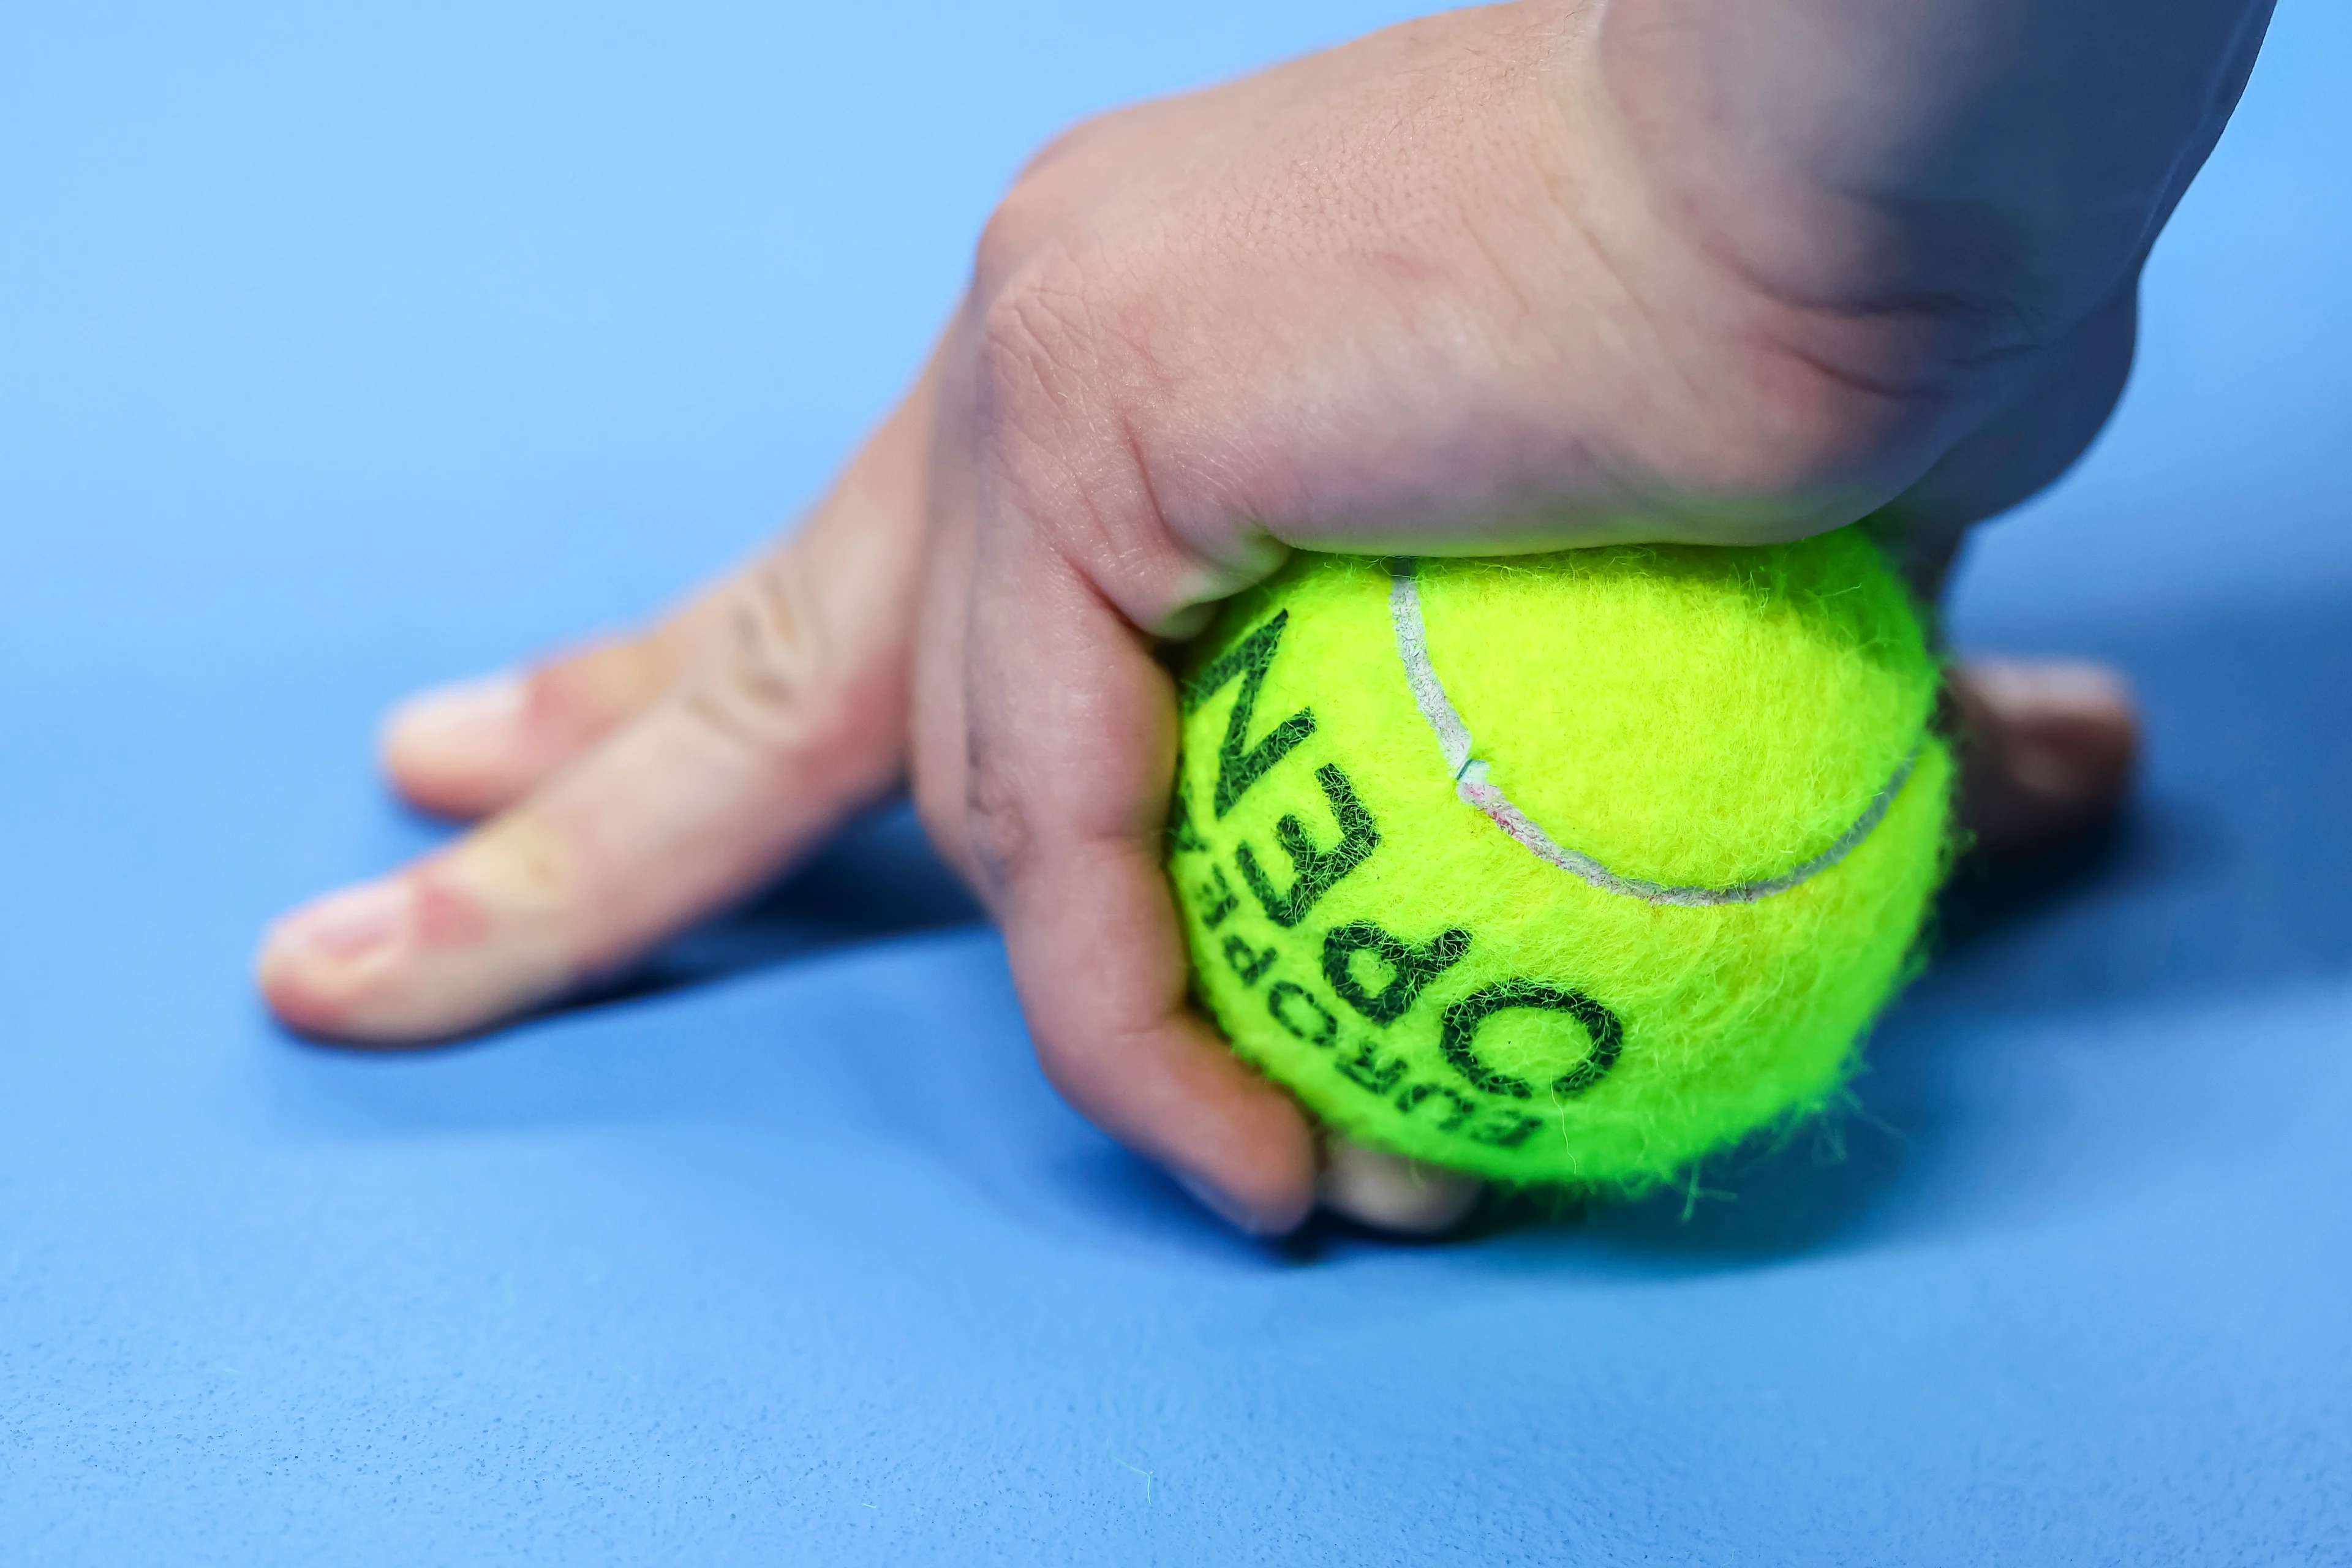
2234 871
353 348
2230 874
2230 871
777 990
2193 895
877 879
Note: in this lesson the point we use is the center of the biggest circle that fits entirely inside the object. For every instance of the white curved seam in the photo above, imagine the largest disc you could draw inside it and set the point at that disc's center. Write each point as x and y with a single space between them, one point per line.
1473 785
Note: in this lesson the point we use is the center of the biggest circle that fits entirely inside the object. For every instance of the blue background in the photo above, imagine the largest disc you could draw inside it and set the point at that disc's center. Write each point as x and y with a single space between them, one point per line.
345 348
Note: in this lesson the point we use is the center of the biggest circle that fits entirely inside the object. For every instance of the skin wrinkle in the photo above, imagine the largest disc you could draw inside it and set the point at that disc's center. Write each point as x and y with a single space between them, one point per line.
1005 836
1438 223
1000 830
1525 310
777 658
1636 307
997 834
1130 559
1597 248
1147 555
1143 570
445 913
762 698
1287 310
1624 476
2028 446
1876 387
1878 390
1333 501
1919 184
1890 409
1093 860
1026 367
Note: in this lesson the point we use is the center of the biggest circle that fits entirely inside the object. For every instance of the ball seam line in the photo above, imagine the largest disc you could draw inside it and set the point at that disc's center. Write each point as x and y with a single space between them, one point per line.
1473 785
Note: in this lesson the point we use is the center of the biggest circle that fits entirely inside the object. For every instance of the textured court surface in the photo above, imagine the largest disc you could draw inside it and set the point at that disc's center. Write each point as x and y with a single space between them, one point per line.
345 349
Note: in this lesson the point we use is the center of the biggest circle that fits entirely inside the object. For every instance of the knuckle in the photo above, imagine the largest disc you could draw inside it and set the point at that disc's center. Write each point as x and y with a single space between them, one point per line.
773 652
1076 140
1820 407
1069 397
999 833
1013 232
1042 197
1075 1068
1047 339
781 685
1025 224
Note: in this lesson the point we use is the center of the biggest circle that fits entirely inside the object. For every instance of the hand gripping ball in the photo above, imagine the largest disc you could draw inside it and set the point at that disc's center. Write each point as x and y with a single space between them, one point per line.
1565 867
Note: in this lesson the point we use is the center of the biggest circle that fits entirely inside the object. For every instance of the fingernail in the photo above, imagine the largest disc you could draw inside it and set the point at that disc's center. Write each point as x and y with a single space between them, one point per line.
463 712
2019 688
1388 1191
352 924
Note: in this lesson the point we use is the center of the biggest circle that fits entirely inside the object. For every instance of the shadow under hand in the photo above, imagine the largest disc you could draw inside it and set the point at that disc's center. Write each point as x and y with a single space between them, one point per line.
2230 874
1795 1189
1988 894
877 878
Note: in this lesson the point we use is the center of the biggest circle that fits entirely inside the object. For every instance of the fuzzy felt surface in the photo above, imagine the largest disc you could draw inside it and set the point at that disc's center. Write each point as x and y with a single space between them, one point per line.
1684 715
355 348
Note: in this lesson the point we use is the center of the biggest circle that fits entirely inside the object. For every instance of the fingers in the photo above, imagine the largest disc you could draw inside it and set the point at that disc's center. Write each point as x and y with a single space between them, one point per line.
1388 1191
477 746
2048 749
1073 745
793 716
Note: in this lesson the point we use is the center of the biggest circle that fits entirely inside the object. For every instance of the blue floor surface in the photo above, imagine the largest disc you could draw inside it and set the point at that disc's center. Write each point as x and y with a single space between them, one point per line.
345 349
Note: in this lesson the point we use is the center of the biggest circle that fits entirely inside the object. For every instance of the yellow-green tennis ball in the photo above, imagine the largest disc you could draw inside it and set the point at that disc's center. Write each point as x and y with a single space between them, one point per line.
1565 867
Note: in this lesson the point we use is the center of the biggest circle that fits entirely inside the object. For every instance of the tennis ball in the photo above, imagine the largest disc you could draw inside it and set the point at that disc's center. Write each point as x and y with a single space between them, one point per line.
1565 867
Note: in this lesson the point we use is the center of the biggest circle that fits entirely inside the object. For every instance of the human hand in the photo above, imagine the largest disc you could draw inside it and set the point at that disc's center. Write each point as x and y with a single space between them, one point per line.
1499 280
